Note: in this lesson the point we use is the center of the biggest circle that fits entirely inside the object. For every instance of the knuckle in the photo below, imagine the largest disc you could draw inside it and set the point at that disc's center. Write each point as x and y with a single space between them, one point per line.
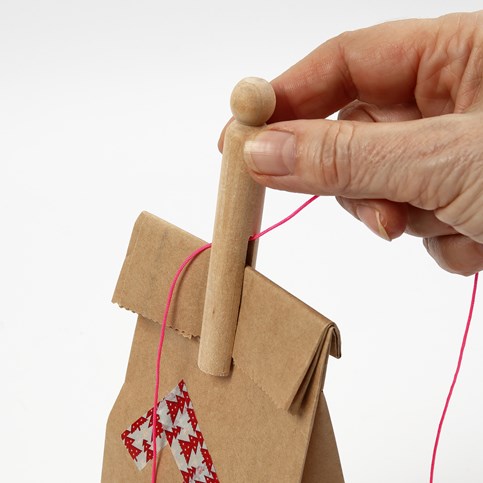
463 213
453 184
331 158
454 254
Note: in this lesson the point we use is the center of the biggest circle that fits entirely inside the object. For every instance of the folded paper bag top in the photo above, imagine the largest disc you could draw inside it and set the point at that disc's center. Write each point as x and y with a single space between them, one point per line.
271 345
271 399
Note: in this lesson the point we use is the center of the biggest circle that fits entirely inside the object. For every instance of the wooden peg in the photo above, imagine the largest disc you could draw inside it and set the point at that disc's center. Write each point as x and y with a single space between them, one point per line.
238 216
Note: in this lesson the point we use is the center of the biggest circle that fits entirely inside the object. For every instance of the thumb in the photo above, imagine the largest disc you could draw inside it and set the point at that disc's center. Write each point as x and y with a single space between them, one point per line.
424 162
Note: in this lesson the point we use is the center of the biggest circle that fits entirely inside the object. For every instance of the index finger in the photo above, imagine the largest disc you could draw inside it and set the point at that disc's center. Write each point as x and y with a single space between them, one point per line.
378 65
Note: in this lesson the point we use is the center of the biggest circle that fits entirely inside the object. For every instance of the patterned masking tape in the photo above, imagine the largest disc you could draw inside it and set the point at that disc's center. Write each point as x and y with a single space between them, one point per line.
176 425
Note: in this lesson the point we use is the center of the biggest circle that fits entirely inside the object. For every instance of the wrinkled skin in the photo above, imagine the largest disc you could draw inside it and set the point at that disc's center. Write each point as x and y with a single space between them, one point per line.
406 154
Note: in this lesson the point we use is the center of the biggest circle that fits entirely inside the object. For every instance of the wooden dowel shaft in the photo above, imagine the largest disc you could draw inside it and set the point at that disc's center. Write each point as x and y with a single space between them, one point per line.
238 216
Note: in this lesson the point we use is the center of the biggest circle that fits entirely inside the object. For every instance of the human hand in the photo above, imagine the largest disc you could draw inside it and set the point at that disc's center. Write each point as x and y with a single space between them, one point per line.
406 154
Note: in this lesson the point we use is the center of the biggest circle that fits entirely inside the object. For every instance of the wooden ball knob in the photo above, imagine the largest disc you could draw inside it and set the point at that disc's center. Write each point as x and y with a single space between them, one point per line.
252 101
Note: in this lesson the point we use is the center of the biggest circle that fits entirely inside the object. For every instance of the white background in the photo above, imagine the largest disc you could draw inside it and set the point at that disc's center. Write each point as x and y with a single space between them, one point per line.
108 108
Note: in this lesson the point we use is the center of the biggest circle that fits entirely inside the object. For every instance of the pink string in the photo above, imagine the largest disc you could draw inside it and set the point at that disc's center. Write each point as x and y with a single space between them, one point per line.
193 255
161 342
288 218
455 377
172 287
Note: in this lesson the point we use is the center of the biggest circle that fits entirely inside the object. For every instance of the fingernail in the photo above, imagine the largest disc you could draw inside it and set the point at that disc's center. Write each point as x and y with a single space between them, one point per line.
373 220
271 153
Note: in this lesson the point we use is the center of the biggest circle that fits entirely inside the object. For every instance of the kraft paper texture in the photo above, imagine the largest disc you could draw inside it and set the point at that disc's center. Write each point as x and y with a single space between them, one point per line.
268 420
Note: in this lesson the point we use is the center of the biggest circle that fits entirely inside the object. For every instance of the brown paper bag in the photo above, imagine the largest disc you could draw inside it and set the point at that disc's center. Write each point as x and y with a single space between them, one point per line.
267 421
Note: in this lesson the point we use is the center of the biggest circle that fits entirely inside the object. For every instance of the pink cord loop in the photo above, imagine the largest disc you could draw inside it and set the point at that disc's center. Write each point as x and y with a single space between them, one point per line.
193 255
